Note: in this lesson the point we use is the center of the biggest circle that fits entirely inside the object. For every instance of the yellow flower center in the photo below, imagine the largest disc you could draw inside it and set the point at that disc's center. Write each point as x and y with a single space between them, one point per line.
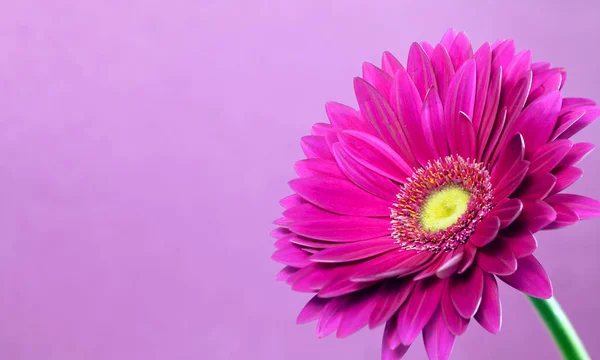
440 205
443 208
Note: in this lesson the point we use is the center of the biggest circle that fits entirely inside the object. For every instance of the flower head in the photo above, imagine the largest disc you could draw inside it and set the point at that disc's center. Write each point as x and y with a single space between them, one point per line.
408 210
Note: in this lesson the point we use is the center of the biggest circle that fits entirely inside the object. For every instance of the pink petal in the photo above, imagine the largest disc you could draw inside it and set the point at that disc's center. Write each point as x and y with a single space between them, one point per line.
577 153
298 276
502 54
318 167
363 177
374 154
492 143
439 341
378 78
282 221
315 276
420 70
497 258
536 186
389 297
355 251
282 243
375 108
463 137
540 67
434 129
343 117
469 252
406 102
564 217
483 61
356 314
315 147
391 348
555 83
339 287
427 48
391 264
309 243
512 180
456 323
564 79
571 103
391 340
444 71
291 201
549 155
432 268
537 122
530 278
311 250
517 67
450 266
510 170
489 315
331 138
537 215
461 97
390 64
291 256
304 212
280 233
592 114
544 82
286 273
320 129
331 317
520 239
584 207
466 290
396 353
497 43
513 152
340 196
312 310
486 231
448 39
419 308
488 119
461 50
343 228
507 210
565 121
514 100
565 177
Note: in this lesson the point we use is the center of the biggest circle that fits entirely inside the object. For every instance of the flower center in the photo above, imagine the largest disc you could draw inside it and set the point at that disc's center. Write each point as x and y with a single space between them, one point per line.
444 207
440 205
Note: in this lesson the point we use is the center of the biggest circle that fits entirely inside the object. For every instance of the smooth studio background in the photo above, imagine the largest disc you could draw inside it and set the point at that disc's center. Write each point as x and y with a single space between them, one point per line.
144 146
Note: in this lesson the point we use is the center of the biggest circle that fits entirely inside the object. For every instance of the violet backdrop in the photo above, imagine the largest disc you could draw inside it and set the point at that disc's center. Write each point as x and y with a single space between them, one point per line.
145 145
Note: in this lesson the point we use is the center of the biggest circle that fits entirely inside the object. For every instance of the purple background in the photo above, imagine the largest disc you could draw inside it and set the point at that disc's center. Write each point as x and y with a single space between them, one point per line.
145 145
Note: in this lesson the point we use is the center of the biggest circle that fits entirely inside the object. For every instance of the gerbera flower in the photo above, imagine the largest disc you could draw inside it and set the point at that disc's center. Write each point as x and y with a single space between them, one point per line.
407 211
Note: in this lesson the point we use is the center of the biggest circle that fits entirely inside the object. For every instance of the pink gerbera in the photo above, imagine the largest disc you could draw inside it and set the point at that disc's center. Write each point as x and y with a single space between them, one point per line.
406 212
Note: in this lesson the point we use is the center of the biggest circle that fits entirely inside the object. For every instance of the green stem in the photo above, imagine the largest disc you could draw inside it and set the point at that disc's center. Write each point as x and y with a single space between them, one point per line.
560 328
